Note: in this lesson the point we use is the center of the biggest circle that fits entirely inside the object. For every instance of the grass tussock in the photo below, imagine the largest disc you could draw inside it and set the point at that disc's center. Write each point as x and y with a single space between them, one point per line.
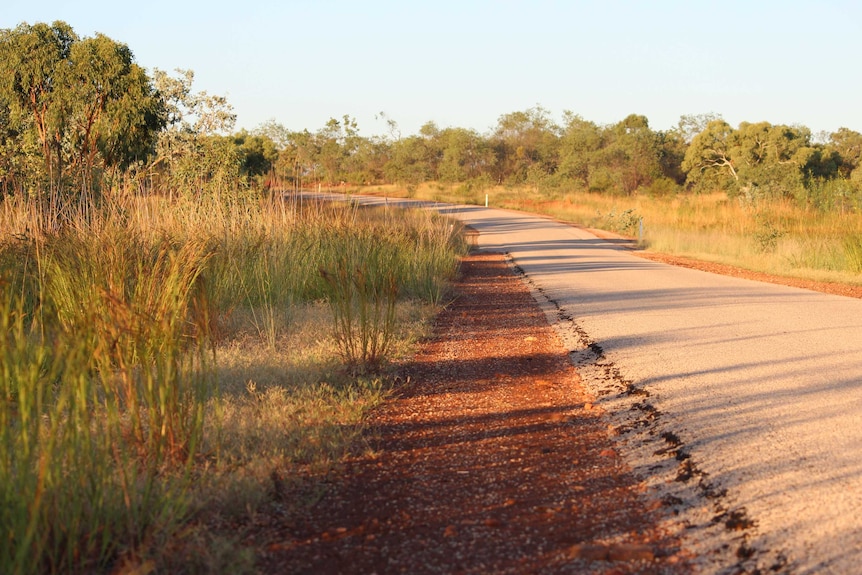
168 367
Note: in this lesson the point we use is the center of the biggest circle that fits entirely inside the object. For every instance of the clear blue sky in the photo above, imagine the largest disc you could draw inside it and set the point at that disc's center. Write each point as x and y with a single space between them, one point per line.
466 62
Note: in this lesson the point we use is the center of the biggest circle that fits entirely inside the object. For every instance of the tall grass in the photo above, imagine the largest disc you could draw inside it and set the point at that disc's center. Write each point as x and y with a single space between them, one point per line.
99 419
362 294
113 325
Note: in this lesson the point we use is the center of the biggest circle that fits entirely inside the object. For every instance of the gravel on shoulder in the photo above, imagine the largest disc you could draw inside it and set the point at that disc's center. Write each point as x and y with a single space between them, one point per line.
493 458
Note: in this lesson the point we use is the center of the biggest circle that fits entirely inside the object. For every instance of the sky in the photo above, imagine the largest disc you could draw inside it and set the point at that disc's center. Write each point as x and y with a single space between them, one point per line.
465 63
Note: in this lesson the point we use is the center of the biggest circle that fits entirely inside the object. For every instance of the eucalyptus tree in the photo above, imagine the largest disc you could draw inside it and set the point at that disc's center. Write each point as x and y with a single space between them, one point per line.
31 84
466 155
690 125
631 155
367 162
757 159
579 143
281 168
194 153
115 114
672 148
767 159
709 161
526 144
675 142
188 112
338 147
85 101
848 145
20 165
297 156
258 156
330 151
410 162
434 148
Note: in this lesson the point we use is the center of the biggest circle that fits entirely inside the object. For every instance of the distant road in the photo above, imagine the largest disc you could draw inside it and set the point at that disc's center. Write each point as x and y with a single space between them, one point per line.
741 402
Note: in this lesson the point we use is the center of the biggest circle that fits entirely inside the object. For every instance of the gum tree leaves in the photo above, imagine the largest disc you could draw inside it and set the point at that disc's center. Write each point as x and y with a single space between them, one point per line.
85 101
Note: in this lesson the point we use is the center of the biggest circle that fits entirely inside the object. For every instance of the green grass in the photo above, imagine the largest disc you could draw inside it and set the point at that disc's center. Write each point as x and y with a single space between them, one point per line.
169 366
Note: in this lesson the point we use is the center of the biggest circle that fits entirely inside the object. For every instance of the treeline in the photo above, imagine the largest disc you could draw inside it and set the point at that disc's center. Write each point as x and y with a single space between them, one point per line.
702 153
78 116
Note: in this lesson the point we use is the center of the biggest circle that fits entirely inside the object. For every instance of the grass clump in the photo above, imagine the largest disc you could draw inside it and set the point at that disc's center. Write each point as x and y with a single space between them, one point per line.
97 433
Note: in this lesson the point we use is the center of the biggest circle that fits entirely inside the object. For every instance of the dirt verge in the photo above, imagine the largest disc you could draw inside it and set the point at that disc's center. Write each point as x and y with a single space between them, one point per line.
493 459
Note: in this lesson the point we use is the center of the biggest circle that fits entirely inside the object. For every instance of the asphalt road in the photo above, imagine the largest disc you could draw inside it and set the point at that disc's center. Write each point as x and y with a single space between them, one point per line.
740 402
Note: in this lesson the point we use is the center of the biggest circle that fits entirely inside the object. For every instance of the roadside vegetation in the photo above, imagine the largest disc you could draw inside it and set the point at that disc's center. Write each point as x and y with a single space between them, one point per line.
185 339
167 363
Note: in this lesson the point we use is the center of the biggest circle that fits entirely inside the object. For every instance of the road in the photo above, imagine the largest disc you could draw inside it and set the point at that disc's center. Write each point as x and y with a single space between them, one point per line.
739 402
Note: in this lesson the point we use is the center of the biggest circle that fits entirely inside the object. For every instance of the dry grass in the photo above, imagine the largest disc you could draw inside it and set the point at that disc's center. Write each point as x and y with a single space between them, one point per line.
284 420
295 403
177 361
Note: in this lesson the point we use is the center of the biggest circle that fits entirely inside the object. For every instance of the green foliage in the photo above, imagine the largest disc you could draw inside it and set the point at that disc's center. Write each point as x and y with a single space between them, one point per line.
622 158
411 162
103 400
831 195
690 125
708 160
362 292
79 118
526 144
89 106
771 159
633 152
203 166
767 233
847 147
579 141
257 155
465 155
338 145
761 161
626 222
194 157
662 188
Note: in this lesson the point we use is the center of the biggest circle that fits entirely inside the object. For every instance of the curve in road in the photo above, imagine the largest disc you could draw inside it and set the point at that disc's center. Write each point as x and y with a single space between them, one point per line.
739 402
